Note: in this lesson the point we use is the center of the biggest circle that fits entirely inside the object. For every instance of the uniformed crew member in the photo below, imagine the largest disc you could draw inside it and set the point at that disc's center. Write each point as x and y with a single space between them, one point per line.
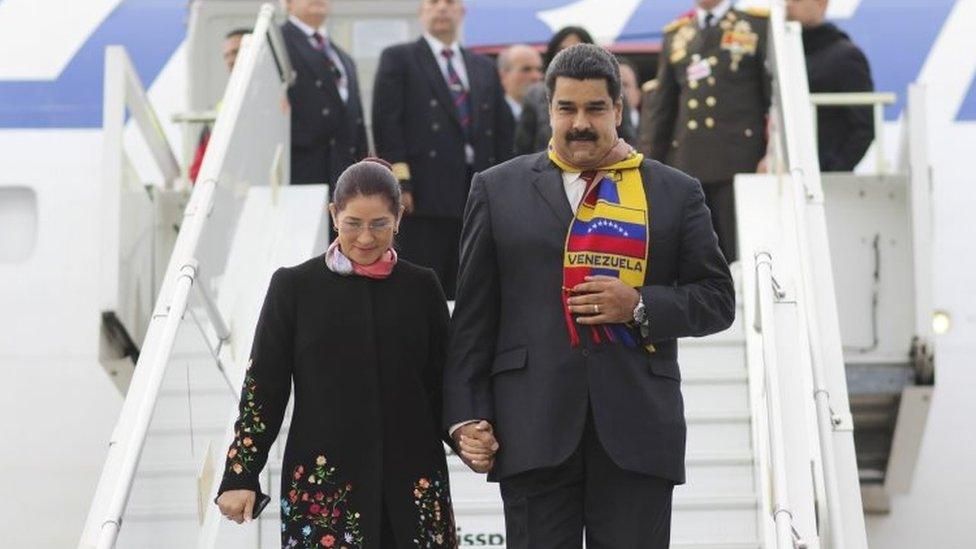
439 115
708 113
327 130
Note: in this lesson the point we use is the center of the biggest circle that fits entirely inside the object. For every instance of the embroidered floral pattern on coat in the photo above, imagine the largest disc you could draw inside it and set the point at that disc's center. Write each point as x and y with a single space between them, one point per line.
321 503
243 450
435 523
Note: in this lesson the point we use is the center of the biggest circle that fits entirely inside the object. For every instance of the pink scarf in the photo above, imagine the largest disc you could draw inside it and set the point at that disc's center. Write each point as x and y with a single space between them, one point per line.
339 263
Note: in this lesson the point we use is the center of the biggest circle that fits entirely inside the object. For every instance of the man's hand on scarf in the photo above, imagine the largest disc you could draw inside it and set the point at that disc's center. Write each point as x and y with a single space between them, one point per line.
477 445
604 300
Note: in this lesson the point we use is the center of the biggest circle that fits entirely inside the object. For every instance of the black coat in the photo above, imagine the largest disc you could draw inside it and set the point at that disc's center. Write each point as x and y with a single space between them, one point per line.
327 134
366 358
835 64
711 127
415 122
510 360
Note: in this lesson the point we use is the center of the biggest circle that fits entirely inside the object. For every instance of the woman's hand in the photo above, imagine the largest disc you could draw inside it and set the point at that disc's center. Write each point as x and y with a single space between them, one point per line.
237 505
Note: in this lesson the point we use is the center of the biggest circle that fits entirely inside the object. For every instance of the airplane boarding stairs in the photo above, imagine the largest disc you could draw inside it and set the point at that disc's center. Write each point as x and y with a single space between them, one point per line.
771 461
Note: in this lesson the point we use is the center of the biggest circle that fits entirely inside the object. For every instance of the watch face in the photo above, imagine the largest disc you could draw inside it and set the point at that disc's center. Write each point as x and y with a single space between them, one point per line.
640 313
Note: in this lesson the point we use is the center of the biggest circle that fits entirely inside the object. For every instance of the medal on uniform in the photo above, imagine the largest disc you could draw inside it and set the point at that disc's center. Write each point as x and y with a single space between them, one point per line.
679 44
698 69
739 42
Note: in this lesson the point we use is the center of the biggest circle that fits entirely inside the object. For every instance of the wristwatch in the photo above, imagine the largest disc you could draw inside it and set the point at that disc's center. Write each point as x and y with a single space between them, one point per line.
640 317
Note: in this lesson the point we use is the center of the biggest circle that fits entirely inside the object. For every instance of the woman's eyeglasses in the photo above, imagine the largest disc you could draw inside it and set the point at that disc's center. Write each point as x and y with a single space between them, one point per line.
356 227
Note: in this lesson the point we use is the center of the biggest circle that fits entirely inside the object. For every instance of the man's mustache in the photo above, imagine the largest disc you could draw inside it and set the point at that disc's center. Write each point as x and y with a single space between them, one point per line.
581 135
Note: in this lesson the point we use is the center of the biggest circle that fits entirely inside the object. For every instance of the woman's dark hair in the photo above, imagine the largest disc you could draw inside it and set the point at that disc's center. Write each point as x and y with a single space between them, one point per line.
585 62
553 48
369 177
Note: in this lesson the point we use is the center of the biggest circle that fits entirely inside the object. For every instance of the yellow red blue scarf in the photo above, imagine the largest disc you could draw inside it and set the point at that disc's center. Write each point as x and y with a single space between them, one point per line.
609 235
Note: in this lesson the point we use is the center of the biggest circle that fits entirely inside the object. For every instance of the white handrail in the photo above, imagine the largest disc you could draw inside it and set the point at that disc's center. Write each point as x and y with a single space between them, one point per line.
128 438
794 120
876 100
766 294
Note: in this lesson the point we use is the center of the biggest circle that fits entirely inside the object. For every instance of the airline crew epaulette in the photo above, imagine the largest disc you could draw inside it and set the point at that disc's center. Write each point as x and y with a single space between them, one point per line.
678 23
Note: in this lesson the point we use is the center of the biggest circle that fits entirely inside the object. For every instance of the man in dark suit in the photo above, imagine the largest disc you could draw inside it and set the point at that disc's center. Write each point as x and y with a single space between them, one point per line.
439 115
708 115
835 65
569 393
327 129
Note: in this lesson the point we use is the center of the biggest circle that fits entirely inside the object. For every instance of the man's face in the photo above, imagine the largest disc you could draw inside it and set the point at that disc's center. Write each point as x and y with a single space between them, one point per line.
584 120
309 10
628 84
442 17
229 50
808 13
525 69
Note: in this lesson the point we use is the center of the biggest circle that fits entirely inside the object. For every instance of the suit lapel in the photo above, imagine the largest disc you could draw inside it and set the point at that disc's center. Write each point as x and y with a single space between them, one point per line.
549 183
313 59
432 70
476 85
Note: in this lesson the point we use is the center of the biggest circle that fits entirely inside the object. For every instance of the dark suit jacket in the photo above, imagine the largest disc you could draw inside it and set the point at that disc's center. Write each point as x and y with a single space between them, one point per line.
510 359
835 64
415 122
714 127
327 135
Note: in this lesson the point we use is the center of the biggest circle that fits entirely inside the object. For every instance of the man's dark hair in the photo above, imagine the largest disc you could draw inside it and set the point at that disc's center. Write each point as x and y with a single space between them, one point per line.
369 177
553 47
585 62
238 32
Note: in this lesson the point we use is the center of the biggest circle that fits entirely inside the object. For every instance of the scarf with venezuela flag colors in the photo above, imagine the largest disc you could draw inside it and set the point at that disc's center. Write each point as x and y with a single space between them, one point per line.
609 235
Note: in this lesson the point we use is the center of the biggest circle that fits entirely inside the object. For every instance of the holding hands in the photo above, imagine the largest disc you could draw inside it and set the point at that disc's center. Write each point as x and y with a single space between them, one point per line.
476 445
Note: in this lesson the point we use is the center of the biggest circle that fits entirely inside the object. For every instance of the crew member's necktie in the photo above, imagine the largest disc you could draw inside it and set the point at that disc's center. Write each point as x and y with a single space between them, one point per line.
459 94
320 47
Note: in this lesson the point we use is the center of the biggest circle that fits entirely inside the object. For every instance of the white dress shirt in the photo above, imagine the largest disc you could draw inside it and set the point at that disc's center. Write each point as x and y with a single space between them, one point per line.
457 63
718 12
515 106
342 83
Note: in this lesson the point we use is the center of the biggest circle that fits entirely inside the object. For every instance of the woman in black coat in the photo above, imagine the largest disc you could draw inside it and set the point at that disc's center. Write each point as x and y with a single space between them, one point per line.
362 336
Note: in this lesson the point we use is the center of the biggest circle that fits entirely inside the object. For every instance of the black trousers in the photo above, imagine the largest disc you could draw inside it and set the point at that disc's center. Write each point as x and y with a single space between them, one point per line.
432 242
587 495
720 199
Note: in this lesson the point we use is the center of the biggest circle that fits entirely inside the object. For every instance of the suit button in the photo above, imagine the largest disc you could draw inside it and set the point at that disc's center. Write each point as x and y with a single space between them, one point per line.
710 101
318 83
692 104
675 143
748 132
435 127
332 142
433 154
709 122
693 84
586 353
326 112
488 132
433 103
692 125
352 151
711 80
713 60
359 121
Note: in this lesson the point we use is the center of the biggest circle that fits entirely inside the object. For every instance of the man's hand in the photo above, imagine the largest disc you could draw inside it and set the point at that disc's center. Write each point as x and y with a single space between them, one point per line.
477 445
237 505
407 199
604 300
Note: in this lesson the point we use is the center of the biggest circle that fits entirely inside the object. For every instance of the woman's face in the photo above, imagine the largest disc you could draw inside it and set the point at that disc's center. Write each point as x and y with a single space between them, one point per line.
366 227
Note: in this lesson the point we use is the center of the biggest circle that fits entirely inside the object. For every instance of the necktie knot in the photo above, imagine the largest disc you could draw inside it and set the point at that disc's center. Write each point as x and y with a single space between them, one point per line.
588 176
709 17
319 41
447 53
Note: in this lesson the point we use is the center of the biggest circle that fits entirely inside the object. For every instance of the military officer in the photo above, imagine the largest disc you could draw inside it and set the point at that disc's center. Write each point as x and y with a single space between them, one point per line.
707 115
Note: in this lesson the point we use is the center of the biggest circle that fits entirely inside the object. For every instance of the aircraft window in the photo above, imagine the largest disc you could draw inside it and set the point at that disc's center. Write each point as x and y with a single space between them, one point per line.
18 223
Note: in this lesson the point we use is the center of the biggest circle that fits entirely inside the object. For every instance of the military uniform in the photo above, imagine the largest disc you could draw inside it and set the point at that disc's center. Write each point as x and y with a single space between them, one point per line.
707 116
